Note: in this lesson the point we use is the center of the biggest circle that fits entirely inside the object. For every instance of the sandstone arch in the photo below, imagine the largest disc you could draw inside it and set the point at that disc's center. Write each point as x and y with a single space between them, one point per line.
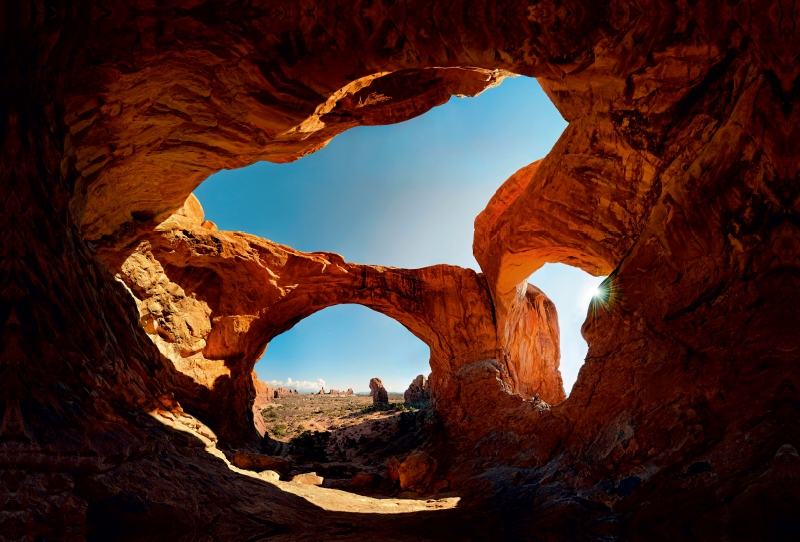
212 300
571 207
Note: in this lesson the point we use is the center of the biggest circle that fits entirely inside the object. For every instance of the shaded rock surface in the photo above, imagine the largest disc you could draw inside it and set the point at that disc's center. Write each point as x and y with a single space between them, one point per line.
379 394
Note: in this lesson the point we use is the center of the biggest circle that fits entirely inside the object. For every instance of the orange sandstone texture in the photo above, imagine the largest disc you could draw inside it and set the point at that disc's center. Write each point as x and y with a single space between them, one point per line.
212 300
419 391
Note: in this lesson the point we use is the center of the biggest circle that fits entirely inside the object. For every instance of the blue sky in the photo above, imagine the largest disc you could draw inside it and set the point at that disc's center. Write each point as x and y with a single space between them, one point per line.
404 195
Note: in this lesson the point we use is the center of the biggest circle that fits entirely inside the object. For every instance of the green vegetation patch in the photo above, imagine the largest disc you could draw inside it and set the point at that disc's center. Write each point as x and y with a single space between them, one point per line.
392 407
269 414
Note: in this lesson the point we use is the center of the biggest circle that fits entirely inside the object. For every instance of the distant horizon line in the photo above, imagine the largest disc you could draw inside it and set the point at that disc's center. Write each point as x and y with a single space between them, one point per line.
340 392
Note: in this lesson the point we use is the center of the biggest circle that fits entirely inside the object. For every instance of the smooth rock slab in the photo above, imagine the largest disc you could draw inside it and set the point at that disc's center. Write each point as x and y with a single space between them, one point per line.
309 479
258 462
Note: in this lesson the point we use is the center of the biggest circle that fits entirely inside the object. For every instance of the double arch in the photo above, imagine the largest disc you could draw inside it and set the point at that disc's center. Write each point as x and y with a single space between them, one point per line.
218 298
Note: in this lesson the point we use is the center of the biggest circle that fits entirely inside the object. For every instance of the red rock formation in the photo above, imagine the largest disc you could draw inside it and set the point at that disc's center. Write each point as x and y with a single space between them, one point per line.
201 274
342 393
206 270
416 471
264 393
419 391
379 394
677 174
263 396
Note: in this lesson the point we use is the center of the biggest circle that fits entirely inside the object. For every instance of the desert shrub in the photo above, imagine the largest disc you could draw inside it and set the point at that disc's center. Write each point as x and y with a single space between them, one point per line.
278 431
269 415
408 420
379 407
396 407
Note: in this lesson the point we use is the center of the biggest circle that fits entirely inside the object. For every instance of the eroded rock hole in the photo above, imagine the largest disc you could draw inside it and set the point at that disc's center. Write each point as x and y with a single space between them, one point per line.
325 413
404 195
573 291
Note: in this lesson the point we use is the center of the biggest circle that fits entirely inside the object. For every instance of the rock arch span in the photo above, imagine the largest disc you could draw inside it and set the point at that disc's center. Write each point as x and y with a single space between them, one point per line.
212 300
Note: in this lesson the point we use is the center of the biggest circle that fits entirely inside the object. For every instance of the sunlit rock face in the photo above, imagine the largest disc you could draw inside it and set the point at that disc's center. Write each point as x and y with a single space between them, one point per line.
677 175
212 300
419 391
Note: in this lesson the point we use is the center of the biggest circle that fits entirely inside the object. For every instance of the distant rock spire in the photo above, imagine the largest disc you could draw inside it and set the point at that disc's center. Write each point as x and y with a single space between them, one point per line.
419 391
379 393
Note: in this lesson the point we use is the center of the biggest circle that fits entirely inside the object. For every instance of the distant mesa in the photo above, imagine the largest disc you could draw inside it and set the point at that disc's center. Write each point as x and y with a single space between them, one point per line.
277 393
342 393
265 392
419 391
336 393
379 394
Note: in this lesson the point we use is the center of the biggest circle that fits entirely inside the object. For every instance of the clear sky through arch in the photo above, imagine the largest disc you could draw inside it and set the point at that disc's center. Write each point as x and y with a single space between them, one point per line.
403 195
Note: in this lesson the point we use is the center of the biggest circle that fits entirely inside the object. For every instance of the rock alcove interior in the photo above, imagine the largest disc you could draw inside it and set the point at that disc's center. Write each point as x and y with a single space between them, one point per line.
677 177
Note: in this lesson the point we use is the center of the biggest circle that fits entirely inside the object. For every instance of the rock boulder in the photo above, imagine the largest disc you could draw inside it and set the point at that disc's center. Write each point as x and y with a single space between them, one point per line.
258 462
416 472
309 479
